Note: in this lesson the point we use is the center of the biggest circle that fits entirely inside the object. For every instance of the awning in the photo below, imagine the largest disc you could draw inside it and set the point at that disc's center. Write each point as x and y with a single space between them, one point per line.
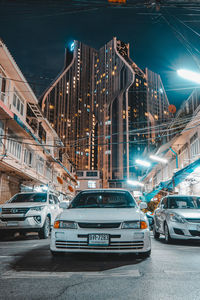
178 177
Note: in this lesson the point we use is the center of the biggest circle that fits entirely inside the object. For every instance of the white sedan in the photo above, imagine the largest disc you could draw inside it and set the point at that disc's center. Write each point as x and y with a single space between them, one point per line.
102 221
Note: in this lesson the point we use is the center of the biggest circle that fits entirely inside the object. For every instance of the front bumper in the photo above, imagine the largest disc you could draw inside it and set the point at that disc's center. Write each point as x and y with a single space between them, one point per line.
121 241
14 222
184 231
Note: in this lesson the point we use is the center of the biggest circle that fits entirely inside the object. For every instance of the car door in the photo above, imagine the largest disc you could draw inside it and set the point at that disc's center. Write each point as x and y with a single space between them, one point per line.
159 215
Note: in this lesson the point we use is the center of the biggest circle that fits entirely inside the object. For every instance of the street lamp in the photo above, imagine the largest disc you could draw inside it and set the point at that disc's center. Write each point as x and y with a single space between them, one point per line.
159 159
143 163
189 75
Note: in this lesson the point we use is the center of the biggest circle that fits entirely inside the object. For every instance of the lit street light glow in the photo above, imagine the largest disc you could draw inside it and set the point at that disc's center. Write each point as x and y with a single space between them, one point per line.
192 76
135 183
157 158
142 163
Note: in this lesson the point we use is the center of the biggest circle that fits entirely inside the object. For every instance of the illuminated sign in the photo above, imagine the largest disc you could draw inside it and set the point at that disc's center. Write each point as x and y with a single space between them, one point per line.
72 46
117 1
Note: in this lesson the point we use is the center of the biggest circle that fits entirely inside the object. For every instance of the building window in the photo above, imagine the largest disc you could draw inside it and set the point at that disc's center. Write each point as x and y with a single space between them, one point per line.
28 157
40 165
18 103
13 146
2 87
91 174
79 173
92 184
1 133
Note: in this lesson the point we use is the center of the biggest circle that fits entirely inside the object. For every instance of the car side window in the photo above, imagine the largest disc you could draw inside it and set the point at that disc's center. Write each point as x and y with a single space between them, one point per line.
56 199
51 200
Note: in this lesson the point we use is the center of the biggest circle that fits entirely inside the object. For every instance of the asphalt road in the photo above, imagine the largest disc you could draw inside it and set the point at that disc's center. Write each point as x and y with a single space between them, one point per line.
28 271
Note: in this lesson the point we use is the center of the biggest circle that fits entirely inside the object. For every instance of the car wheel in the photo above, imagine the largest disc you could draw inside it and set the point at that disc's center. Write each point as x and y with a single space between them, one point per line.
145 254
45 230
168 238
156 234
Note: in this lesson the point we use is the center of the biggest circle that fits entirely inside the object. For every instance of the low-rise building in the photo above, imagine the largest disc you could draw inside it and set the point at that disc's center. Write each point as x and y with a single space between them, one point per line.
90 179
181 172
29 146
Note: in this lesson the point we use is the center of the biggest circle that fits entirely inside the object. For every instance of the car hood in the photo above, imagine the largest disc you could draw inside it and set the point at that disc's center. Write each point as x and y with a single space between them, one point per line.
188 213
101 214
22 204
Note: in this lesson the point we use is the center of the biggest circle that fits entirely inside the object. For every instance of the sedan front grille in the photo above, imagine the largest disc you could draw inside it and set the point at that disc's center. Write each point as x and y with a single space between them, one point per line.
112 246
193 220
13 210
99 225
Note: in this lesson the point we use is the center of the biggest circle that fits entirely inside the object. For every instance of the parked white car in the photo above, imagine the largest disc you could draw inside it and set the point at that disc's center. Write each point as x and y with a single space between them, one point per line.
104 221
177 217
29 212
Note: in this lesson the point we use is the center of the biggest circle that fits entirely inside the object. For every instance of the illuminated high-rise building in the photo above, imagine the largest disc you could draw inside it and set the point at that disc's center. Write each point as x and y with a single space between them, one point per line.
105 109
68 105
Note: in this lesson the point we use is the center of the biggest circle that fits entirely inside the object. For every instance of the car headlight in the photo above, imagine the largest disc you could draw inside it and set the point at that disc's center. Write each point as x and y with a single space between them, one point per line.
65 224
37 208
131 225
176 218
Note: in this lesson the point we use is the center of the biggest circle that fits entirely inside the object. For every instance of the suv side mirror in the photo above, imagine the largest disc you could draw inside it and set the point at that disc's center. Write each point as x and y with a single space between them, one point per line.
63 205
143 205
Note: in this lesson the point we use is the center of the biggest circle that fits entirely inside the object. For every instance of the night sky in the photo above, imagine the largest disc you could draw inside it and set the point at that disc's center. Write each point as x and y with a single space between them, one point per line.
36 33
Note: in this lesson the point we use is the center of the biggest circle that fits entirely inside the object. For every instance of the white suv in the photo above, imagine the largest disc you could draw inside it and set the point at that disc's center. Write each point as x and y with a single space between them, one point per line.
29 212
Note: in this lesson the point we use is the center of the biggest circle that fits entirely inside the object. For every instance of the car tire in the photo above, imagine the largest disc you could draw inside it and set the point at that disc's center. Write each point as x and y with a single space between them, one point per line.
168 238
145 254
45 230
156 234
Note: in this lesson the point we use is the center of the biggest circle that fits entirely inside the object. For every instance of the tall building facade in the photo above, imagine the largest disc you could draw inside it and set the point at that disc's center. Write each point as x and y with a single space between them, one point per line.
68 105
105 109
129 103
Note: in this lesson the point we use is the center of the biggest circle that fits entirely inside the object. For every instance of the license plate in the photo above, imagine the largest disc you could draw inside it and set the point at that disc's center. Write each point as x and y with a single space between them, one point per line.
12 223
98 239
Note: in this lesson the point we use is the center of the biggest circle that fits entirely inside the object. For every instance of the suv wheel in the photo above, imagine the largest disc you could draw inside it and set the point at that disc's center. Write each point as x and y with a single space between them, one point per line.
156 234
45 230
168 238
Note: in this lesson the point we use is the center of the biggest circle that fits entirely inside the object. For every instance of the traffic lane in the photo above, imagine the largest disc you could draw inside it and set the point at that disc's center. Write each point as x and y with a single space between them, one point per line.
171 272
32 254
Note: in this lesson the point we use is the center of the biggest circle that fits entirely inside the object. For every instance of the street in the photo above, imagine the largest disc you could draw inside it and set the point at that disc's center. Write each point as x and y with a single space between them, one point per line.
28 271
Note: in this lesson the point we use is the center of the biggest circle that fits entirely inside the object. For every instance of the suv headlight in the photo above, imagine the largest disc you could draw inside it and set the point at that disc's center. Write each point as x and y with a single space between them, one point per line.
37 208
176 218
131 225
65 224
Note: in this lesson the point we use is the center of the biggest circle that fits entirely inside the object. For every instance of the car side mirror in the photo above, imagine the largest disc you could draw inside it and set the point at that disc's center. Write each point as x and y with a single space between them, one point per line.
64 205
143 205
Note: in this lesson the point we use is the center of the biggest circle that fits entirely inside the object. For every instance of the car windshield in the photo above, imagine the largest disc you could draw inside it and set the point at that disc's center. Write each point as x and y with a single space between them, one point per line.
103 200
30 197
184 202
